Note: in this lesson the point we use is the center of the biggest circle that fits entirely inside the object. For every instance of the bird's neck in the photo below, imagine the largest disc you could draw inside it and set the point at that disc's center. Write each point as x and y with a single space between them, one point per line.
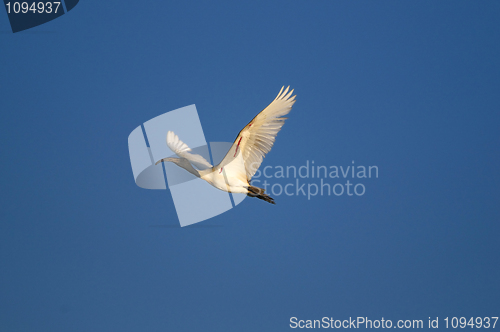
206 173
184 163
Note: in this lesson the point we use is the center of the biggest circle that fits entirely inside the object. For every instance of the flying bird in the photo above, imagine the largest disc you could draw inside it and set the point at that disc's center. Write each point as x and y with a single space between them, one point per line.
254 141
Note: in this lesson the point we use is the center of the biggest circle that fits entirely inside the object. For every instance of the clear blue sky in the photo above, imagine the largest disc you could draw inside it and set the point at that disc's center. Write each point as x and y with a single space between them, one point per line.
410 86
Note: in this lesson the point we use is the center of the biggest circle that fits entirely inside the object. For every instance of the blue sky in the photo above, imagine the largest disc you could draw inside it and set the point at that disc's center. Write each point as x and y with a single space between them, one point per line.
412 87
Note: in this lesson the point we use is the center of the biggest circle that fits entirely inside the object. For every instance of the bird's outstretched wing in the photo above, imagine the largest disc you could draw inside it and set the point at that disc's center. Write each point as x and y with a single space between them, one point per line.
257 138
182 150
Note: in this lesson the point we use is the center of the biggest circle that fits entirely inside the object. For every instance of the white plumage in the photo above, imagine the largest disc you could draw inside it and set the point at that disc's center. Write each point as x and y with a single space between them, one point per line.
254 141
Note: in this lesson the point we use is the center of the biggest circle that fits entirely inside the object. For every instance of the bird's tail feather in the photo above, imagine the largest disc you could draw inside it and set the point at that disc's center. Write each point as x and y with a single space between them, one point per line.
259 193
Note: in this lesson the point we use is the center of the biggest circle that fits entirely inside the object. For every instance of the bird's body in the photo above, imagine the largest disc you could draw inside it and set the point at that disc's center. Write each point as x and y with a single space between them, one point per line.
254 141
231 184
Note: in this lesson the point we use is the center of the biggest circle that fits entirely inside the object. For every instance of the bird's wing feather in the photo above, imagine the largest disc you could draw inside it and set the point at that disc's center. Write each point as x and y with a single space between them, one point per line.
182 150
257 138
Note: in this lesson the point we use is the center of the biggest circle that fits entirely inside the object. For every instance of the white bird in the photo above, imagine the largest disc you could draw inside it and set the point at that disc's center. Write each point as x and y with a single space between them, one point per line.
254 141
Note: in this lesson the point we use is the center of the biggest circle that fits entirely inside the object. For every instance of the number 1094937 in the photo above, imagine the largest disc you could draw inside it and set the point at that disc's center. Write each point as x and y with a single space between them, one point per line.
33 7
478 322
